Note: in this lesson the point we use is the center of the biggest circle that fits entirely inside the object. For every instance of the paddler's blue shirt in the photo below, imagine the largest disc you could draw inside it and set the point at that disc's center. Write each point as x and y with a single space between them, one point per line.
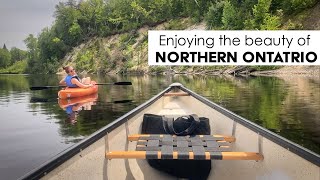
69 83
69 110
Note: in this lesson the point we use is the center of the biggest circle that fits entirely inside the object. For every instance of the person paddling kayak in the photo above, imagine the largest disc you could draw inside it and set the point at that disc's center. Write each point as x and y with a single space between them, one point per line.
72 80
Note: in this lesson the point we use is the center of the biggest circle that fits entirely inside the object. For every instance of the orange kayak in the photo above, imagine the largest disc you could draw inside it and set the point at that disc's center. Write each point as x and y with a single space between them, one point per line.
77 92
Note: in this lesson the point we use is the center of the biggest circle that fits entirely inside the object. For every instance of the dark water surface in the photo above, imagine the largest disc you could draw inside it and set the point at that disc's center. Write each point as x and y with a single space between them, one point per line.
35 127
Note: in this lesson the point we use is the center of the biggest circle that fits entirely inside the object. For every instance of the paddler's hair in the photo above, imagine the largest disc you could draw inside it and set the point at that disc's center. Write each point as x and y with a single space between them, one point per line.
67 69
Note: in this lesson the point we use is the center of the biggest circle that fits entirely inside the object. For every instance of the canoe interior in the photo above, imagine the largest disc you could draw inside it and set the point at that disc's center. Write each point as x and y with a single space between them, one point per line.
278 163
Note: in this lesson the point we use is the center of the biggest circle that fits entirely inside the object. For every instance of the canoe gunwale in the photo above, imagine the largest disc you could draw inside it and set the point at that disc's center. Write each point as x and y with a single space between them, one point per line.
68 153
285 143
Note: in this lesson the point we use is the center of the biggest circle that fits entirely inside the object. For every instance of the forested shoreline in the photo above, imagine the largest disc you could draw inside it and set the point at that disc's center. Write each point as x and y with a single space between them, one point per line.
87 25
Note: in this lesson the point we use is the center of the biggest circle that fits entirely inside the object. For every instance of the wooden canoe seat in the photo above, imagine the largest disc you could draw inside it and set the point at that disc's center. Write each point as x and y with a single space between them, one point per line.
176 94
199 147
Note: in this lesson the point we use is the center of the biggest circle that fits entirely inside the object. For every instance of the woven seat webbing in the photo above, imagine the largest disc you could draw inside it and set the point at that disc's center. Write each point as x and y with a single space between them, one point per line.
168 144
167 147
153 145
209 144
197 148
182 148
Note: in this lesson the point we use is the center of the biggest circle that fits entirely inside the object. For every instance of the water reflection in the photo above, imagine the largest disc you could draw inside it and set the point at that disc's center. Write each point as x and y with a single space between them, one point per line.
33 123
73 106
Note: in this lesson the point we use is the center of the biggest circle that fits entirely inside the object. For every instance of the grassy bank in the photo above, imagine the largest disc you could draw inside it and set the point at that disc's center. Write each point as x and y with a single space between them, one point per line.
16 68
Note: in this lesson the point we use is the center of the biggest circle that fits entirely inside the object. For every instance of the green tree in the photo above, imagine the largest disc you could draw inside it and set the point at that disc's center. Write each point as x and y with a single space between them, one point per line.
5 58
262 17
5 47
92 16
175 8
140 13
32 53
196 8
229 16
75 31
214 15
293 6
120 13
17 54
271 22
67 16
261 11
50 46
31 43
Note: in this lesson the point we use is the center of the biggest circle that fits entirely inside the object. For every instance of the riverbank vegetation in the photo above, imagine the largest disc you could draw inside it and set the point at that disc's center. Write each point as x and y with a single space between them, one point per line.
99 36
13 61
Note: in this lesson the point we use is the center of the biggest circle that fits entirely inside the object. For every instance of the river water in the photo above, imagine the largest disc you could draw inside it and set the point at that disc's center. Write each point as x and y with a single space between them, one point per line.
35 126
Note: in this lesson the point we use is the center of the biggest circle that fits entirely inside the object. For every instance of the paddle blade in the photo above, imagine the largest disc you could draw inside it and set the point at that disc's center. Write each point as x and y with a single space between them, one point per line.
34 88
43 87
122 101
35 100
122 83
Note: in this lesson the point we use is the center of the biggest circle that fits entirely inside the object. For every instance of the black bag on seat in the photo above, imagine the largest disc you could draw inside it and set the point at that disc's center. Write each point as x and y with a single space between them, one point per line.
184 125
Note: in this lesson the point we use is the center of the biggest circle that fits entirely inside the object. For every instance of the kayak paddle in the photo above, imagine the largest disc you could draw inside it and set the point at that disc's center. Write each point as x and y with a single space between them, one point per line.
49 87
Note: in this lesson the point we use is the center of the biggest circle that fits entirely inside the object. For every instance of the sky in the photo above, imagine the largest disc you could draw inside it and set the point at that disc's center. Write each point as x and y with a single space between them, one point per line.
19 18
